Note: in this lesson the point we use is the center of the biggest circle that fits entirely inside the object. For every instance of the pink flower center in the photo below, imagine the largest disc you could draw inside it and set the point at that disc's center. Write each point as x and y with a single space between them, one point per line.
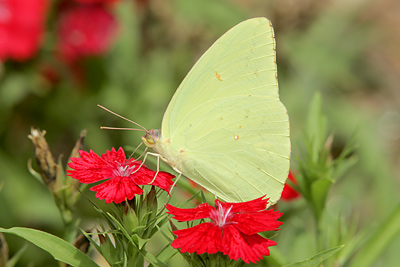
123 171
221 216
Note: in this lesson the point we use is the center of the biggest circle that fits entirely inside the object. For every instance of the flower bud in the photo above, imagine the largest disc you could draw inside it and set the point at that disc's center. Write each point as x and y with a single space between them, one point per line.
44 158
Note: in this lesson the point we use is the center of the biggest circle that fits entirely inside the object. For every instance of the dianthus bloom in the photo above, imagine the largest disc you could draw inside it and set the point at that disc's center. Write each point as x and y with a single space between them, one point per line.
85 31
288 192
21 28
233 229
123 175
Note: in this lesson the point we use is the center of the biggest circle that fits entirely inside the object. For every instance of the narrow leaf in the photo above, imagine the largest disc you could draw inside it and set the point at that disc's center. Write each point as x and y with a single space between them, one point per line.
379 240
14 260
316 126
317 259
167 253
60 249
147 255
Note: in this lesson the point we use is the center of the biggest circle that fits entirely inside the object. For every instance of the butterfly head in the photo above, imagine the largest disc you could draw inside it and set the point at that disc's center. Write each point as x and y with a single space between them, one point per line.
151 137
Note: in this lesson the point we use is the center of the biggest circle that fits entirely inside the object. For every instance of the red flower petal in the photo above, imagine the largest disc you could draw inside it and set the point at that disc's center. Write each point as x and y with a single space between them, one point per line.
248 206
255 222
205 237
116 158
88 168
200 212
117 189
288 192
250 248
146 176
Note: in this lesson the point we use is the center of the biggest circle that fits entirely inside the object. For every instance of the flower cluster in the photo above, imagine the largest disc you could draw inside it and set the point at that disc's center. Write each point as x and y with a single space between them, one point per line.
123 176
233 229
83 27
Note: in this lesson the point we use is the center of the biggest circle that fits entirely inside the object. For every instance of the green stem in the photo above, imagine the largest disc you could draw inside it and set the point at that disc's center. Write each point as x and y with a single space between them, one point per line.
318 231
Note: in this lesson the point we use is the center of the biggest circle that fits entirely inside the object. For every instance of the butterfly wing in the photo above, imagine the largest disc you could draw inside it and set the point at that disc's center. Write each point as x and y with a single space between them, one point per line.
225 128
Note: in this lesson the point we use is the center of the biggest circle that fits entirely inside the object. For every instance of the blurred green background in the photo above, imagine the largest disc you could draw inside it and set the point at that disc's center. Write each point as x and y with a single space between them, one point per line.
347 50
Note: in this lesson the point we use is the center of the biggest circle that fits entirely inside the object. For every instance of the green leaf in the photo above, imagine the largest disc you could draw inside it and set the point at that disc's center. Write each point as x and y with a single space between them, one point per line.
147 255
34 173
379 240
167 253
317 259
14 260
106 248
141 242
57 247
316 127
320 190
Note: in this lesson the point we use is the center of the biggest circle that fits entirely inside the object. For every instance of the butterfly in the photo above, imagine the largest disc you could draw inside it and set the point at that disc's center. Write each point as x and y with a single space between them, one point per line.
225 127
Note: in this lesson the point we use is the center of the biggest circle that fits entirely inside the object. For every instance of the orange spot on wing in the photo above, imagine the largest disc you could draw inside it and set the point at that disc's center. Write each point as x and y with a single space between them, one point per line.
218 76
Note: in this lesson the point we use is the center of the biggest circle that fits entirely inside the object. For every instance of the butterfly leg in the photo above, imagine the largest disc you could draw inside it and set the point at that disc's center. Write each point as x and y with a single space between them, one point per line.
158 156
172 187
158 163
144 160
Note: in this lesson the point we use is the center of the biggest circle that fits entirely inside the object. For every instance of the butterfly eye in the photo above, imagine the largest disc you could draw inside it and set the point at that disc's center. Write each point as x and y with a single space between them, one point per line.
148 139
151 137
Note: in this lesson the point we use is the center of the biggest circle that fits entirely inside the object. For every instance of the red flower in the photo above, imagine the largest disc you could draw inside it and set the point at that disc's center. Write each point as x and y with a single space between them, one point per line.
21 28
85 31
233 229
288 192
123 175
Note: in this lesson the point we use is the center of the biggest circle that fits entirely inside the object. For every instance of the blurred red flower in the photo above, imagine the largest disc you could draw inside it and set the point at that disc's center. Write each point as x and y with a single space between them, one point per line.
21 28
123 175
288 192
233 229
85 31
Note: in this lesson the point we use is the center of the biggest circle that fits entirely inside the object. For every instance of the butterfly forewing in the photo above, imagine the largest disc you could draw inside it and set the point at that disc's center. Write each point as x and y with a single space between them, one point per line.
225 127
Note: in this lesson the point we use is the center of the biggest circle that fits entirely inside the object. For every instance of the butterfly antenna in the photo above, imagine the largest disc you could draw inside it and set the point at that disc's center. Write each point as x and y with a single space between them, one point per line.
117 128
122 117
